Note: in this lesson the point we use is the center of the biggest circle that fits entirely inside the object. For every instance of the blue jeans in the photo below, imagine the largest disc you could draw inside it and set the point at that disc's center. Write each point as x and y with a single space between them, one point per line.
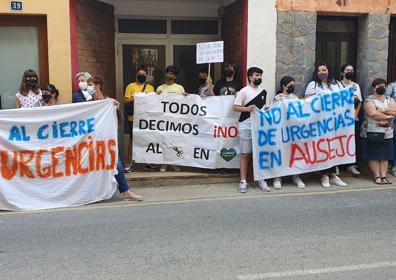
120 178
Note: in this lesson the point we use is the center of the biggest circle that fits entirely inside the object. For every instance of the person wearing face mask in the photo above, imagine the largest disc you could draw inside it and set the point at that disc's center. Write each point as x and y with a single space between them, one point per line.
247 99
29 94
347 77
228 85
82 94
286 91
140 85
325 83
170 85
205 83
123 187
377 131
50 95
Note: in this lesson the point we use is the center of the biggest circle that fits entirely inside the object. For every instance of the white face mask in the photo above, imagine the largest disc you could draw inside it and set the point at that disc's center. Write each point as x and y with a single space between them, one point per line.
91 89
83 85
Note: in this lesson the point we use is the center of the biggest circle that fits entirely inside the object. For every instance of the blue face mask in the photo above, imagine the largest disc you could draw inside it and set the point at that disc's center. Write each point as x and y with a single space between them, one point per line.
91 90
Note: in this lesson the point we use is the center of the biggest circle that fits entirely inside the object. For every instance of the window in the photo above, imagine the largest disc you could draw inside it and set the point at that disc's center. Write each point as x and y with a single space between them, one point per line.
142 26
195 27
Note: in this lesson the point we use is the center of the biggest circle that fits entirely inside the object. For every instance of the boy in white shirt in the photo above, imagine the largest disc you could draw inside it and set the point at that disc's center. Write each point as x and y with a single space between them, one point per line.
246 100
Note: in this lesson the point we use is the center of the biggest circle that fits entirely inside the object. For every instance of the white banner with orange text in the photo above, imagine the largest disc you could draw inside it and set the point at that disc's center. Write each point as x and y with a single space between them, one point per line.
57 156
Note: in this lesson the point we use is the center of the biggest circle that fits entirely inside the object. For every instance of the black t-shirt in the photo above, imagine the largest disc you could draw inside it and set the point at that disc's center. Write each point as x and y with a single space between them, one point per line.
222 87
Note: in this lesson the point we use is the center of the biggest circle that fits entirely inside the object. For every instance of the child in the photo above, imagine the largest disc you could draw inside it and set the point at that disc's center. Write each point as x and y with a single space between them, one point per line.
247 99
29 94
286 91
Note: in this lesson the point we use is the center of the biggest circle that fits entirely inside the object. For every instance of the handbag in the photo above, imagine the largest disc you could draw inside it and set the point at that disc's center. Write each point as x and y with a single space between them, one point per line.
376 136
130 107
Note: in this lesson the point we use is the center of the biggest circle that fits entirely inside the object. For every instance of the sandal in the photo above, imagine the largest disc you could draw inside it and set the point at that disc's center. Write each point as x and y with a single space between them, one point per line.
386 181
378 181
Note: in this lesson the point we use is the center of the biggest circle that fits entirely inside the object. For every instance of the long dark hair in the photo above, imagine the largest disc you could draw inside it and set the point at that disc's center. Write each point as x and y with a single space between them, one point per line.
330 77
24 88
284 82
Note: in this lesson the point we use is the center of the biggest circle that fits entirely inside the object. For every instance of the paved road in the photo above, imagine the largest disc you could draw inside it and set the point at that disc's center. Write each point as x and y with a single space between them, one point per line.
350 235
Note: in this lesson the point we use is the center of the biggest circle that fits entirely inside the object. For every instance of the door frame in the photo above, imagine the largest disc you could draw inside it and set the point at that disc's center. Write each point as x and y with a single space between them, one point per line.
41 23
168 40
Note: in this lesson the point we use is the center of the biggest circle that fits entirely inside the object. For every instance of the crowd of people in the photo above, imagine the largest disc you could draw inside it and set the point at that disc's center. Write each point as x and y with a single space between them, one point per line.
374 117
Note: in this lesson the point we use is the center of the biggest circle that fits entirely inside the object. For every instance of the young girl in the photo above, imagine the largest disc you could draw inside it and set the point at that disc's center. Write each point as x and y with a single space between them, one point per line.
29 94
325 83
286 91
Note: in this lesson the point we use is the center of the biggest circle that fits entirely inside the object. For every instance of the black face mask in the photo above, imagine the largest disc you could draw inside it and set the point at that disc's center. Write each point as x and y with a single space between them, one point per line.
349 75
290 89
228 73
257 82
380 90
47 97
31 83
141 78
202 81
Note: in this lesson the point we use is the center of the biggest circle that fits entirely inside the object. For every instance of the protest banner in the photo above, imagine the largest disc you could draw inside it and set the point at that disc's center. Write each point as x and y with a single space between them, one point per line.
297 136
210 52
185 130
57 156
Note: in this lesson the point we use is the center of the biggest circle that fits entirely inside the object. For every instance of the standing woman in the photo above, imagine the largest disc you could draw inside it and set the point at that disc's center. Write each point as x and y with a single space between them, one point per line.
377 131
347 76
29 94
325 83
286 91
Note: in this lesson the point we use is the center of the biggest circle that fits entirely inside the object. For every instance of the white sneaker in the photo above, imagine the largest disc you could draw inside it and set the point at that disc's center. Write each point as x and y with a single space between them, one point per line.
263 186
299 183
128 168
277 183
325 181
242 186
353 170
393 171
163 168
338 182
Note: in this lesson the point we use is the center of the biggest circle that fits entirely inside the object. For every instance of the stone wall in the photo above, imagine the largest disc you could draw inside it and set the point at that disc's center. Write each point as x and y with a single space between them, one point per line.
96 51
296 40
373 40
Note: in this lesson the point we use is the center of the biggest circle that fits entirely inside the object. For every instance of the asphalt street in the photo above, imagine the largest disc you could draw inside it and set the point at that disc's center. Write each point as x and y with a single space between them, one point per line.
340 235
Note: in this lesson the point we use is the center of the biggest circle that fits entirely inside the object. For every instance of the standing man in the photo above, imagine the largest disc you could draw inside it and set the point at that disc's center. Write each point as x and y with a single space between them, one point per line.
247 99
139 86
228 85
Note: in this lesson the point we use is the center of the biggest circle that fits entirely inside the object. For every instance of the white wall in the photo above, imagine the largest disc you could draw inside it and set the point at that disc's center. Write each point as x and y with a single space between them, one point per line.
261 47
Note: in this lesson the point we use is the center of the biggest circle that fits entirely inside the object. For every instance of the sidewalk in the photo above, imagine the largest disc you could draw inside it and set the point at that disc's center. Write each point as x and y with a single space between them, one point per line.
179 186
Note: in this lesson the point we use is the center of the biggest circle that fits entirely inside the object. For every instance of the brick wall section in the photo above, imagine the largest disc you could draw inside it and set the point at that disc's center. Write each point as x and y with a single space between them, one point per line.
96 53
231 29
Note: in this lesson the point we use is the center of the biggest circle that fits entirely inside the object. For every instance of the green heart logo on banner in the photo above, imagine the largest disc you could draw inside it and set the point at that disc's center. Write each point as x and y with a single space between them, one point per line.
228 154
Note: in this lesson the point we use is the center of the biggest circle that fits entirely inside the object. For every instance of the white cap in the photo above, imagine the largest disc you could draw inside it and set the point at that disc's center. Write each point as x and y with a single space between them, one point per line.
85 74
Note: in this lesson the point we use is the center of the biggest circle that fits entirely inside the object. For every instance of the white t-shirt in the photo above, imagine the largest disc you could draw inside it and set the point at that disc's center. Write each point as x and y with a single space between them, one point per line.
282 96
243 97
356 90
314 88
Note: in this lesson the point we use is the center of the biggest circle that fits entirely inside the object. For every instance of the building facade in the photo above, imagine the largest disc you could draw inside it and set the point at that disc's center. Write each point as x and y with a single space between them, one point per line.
110 37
